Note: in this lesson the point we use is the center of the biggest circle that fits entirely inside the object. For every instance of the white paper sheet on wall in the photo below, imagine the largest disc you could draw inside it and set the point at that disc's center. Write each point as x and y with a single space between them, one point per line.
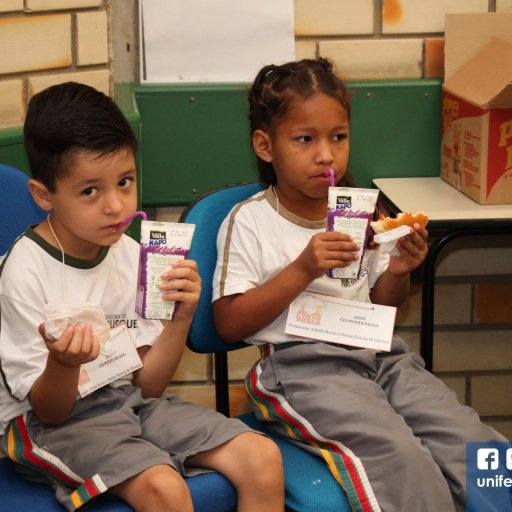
214 41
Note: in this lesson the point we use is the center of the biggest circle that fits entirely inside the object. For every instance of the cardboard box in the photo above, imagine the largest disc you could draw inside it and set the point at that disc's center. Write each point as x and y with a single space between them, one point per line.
476 151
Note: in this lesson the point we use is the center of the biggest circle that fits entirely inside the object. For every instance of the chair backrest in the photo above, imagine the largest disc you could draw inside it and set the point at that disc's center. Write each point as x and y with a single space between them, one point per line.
207 213
17 207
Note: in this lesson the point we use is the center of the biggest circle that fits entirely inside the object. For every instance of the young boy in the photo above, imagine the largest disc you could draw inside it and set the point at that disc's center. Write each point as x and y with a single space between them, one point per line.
126 437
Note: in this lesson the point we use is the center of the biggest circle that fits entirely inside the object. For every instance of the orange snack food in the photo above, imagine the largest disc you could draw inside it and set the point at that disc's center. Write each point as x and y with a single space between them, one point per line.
402 219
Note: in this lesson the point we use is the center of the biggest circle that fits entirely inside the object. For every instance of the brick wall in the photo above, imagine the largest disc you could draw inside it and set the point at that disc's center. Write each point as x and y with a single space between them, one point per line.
48 41
45 42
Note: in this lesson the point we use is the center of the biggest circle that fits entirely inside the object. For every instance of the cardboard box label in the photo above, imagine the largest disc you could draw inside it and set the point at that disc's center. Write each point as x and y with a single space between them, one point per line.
476 153
500 138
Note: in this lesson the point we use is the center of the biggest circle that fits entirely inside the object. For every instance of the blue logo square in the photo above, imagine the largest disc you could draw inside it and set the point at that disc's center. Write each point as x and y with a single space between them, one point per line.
489 477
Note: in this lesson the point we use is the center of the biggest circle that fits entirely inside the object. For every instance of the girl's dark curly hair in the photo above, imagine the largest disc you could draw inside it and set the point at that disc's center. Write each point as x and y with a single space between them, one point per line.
275 87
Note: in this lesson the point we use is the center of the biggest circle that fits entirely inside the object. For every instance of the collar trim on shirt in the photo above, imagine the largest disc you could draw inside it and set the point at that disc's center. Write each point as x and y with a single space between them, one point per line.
295 219
72 261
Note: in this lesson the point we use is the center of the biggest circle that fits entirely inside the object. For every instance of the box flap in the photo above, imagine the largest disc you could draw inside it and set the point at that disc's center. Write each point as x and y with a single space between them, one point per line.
486 77
466 33
503 99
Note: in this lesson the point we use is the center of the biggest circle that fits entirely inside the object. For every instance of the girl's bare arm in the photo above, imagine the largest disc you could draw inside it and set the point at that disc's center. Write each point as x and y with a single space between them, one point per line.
241 315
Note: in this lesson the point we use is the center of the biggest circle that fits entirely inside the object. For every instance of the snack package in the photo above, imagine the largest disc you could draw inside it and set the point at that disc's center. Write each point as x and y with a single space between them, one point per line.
60 316
388 239
161 243
350 210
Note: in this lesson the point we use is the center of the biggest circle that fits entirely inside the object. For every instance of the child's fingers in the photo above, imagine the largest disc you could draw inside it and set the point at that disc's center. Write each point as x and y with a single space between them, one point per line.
88 346
60 345
95 348
333 236
342 253
181 290
42 330
191 264
176 285
331 245
413 249
87 340
75 347
186 298
413 243
343 257
81 342
327 250
181 269
422 232
182 282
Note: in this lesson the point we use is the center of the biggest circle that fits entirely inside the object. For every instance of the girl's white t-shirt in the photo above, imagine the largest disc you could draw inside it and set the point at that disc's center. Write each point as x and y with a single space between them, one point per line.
259 238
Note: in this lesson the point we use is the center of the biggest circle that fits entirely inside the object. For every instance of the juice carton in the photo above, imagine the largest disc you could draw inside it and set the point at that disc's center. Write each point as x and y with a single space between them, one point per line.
350 211
161 243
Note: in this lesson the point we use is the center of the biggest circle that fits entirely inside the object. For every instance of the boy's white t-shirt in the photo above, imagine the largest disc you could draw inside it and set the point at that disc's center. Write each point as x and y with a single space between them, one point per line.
32 275
258 239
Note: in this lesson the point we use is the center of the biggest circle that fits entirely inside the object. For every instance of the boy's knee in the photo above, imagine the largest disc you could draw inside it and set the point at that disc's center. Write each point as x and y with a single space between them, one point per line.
159 482
262 456
165 487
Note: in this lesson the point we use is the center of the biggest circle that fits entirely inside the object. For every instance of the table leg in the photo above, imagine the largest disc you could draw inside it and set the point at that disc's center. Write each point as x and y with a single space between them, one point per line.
428 297
429 277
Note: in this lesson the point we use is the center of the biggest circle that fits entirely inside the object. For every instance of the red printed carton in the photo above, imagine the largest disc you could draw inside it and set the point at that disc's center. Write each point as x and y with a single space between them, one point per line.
476 150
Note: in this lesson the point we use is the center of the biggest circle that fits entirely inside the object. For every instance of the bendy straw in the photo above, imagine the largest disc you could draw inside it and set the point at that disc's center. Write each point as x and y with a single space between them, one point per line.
330 173
140 213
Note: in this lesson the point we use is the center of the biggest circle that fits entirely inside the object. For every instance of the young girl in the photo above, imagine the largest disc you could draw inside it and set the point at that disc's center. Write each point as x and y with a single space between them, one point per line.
392 434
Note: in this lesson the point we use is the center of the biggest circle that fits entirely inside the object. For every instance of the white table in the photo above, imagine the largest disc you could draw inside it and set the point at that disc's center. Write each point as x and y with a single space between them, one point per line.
453 215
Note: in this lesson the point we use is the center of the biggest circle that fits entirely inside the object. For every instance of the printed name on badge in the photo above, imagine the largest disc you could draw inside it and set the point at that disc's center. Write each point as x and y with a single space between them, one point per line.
121 360
346 322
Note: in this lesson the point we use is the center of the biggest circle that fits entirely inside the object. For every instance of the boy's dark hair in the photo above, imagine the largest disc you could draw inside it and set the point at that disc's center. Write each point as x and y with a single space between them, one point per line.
70 117
275 87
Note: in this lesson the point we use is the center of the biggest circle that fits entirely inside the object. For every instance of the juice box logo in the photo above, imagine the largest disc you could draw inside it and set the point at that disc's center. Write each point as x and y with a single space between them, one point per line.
343 202
157 237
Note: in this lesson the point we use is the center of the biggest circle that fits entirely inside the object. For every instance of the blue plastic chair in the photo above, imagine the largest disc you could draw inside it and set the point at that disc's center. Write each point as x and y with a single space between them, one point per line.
210 492
310 487
17 206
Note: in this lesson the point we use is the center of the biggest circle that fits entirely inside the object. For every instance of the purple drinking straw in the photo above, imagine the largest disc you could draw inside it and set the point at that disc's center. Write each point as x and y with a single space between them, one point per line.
140 213
330 173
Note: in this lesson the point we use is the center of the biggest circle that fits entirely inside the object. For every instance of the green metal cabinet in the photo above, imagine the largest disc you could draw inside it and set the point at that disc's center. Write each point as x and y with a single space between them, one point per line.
195 137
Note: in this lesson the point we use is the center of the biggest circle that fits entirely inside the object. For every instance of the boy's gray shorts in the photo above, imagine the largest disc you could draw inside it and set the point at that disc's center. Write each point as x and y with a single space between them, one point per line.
114 434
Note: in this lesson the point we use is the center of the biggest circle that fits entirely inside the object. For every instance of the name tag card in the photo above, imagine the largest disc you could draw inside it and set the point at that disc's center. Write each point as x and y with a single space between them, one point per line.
346 322
122 360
